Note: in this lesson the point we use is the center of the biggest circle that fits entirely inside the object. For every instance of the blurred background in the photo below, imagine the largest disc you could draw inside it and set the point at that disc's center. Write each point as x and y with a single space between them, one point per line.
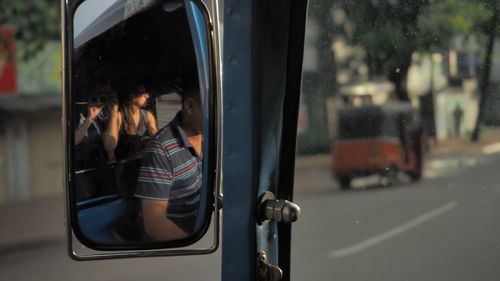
389 196
30 90
440 57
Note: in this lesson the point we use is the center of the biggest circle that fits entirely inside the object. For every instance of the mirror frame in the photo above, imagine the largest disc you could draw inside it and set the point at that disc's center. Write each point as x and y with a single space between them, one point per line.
210 166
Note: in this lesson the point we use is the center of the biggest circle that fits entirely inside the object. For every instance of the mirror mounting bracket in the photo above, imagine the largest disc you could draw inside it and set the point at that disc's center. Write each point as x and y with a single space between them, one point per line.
267 271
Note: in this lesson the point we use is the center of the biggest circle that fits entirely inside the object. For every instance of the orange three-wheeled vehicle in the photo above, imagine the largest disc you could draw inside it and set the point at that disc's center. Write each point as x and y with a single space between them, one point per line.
377 139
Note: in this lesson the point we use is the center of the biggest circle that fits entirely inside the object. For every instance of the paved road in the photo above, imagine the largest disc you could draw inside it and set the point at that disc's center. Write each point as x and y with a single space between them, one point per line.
52 264
445 227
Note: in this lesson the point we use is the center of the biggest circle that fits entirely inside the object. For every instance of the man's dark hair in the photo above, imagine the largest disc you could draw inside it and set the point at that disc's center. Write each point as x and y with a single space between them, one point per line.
190 90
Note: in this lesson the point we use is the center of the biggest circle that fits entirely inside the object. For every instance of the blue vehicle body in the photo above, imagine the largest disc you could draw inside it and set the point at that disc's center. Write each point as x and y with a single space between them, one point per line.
262 65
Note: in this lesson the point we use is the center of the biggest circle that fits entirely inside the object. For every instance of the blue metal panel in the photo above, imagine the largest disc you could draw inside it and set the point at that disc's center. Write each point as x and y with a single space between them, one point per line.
198 33
199 27
258 67
95 221
273 28
239 144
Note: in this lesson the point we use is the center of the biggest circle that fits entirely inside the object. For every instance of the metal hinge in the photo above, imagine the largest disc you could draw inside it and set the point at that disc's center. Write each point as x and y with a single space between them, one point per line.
267 271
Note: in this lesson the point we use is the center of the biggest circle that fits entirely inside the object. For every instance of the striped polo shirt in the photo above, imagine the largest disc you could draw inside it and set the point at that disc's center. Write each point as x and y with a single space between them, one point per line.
171 171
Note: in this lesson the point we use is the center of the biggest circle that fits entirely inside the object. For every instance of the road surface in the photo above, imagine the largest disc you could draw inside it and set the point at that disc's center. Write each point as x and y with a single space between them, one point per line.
445 227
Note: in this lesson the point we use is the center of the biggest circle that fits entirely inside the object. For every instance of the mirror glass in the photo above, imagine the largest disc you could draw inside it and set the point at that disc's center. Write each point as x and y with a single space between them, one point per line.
399 142
140 94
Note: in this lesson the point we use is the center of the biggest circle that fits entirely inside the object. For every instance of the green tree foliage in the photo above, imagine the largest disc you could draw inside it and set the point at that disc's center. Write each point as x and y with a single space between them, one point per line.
388 30
444 19
391 30
35 22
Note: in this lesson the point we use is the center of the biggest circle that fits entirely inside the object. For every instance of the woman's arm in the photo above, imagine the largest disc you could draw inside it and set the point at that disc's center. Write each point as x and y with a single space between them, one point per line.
156 223
82 129
93 111
110 137
151 123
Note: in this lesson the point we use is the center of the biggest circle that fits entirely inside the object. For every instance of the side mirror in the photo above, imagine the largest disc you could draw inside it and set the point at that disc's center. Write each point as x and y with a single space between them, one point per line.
140 131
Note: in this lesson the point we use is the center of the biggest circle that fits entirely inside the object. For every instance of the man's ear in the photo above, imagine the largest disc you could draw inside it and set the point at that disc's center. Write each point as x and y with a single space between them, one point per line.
185 104
190 104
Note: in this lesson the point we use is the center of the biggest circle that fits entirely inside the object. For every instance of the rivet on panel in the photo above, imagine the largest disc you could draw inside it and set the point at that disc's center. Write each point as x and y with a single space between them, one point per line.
235 16
232 60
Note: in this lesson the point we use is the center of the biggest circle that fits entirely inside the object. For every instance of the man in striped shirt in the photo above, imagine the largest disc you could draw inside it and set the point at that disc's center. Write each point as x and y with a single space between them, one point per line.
171 174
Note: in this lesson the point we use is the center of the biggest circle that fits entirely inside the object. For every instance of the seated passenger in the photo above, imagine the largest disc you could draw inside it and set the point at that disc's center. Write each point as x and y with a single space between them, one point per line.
127 129
170 177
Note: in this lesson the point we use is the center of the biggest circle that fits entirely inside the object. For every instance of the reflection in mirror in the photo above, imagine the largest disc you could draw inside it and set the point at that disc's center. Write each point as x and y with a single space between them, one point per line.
140 116
399 141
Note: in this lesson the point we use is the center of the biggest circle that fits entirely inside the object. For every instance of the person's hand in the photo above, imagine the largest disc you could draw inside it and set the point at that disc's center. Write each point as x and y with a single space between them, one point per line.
112 104
114 108
94 110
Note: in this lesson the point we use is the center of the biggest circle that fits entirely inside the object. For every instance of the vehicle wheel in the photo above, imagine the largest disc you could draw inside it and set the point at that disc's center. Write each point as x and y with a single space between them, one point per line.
389 176
344 181
415 176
